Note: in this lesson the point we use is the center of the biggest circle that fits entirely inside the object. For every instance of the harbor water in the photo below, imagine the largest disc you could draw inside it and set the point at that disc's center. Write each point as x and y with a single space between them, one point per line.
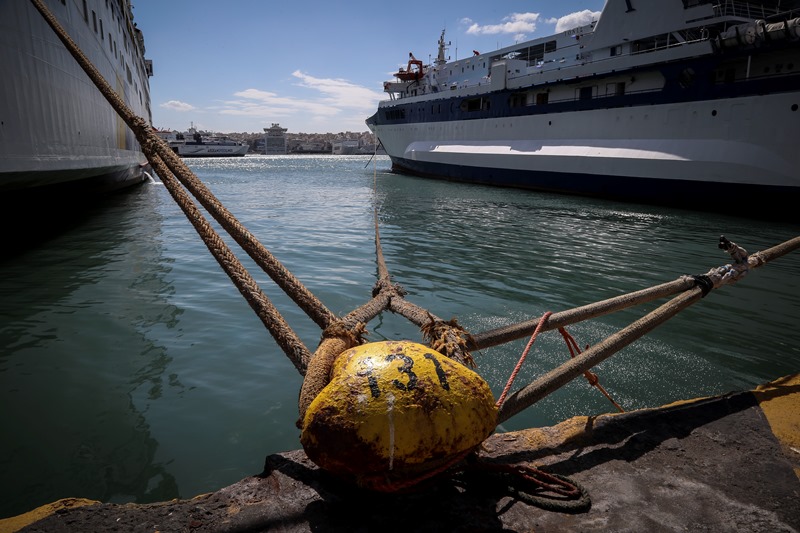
132 370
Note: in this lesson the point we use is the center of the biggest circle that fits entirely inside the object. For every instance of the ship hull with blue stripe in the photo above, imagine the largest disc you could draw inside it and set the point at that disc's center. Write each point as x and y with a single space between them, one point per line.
701 122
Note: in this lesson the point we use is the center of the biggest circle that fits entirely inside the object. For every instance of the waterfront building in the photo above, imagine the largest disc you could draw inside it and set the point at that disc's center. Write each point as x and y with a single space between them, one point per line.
275 139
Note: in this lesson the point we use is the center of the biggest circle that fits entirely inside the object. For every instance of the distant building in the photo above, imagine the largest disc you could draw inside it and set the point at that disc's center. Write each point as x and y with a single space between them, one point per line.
345 147
275 139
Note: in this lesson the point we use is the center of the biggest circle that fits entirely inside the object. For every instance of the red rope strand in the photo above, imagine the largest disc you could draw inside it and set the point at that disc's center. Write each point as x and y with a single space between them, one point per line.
522 359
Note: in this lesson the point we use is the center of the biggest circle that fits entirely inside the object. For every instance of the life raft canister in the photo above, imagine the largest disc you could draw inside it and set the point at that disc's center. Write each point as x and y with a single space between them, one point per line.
395 412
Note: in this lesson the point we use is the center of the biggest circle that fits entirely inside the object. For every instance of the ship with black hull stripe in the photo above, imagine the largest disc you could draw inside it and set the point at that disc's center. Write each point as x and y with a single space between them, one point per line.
680 102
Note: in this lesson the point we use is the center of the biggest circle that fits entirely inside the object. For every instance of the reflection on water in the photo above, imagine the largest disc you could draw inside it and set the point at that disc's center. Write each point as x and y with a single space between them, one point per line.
132 370
74 348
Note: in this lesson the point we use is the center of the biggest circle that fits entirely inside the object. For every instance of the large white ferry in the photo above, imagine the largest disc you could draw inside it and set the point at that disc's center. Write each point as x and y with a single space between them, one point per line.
57 132
193 143
680 102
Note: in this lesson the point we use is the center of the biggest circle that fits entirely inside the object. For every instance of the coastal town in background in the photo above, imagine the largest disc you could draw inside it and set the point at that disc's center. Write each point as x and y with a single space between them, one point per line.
277 140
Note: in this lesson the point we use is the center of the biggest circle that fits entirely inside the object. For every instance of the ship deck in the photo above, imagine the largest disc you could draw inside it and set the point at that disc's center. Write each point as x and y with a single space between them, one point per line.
725 463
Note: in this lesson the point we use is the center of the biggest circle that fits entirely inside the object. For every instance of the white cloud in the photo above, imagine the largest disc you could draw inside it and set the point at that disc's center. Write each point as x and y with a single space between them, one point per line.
333 103
177 105
518 24
573 20
340 93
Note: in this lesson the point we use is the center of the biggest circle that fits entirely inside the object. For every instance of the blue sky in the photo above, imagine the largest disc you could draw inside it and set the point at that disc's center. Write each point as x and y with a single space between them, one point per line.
313 66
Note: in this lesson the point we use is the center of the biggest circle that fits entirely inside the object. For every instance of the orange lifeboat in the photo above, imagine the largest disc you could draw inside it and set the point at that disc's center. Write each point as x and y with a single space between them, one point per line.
411 74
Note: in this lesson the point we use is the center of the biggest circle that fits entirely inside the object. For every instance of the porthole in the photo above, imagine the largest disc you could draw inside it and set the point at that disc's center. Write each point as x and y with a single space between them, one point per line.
794 107
714 113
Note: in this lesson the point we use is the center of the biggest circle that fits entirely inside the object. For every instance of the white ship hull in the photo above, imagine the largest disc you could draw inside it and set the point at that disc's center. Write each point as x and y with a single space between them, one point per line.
57 132
674 143
703 145
205 150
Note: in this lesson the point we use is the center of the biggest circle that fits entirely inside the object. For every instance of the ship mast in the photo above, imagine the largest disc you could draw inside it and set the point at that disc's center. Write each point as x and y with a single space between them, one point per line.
440 59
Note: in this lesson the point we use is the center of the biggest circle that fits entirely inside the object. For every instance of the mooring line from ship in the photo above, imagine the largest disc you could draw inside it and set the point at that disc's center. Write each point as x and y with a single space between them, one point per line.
446 337
560 319
713 279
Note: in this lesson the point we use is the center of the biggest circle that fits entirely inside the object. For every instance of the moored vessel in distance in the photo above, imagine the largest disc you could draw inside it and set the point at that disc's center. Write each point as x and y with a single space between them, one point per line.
688 103
193 143
58 133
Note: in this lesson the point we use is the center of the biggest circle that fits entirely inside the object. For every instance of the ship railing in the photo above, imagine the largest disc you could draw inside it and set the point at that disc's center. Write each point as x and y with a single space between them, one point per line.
669 41
587 57
751 10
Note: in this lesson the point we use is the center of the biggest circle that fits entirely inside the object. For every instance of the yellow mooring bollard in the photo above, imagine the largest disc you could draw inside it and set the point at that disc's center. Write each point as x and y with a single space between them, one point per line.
396 413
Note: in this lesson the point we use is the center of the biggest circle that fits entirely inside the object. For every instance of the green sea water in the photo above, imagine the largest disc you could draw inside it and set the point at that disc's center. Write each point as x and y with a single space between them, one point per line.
132 370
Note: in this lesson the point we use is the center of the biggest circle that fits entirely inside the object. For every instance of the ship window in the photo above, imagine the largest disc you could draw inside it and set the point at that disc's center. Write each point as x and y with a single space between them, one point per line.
585 93
395 114
517 100
475 104
616 50
94 21
110 44
615 89
85 13
102 33
542 98
686 78
729 75
549 46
